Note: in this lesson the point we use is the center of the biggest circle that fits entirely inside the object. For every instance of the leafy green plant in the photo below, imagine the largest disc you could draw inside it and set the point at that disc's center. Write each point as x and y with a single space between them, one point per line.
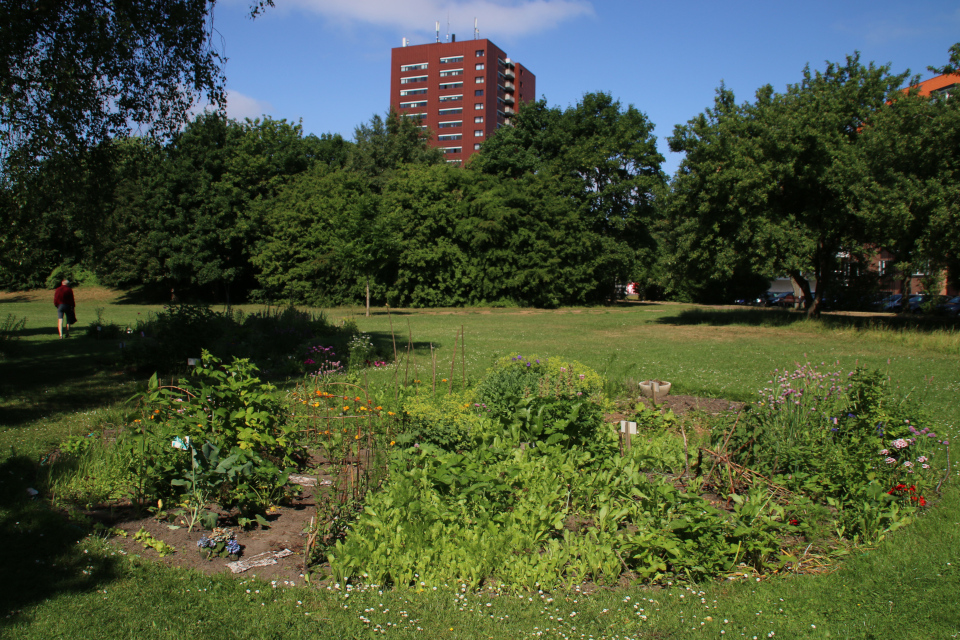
149 542
247 448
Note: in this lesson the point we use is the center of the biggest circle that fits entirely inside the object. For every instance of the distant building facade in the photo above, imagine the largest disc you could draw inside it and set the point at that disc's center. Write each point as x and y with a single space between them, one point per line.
461 91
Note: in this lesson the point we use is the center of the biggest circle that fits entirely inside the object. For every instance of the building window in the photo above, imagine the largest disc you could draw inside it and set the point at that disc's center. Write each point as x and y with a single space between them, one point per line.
415 116
478 92
451 85
413 105
413 67
413 79
451 72
451 149
884 267
450 123
451 98
450 136
480 80
476 146
451 59
450 112
478 119
478 133
478 106
479 66
479 53
413 92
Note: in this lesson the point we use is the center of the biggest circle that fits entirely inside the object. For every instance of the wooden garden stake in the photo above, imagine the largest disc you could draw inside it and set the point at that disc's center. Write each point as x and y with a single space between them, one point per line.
433 355
395 363
463 357
406 373
453 363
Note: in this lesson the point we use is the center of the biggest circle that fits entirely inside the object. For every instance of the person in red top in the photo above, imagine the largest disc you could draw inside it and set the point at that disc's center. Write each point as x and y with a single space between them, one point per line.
64 302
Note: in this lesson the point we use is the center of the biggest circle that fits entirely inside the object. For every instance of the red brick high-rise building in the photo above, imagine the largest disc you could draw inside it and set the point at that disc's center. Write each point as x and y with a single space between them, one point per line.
462 91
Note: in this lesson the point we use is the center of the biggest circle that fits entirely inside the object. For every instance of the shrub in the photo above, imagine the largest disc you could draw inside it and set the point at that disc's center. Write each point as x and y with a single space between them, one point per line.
844 439
446 421
546 399
219 435
277 340
10 330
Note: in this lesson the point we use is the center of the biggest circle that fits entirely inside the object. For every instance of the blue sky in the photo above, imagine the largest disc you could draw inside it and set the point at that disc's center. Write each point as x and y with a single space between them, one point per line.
326 62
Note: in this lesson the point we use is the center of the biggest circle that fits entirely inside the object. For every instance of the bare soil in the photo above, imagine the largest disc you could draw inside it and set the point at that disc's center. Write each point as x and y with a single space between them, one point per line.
286 531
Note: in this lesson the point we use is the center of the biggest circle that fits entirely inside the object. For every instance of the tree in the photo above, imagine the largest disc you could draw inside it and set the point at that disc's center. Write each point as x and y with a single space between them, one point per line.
309 228
603 157
75 73
188 217
383 146
771 186
911 150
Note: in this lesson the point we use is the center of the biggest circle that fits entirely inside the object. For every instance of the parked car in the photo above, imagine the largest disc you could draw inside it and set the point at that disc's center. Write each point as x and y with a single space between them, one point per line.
950 307
892 303
787 300
916 303
765 299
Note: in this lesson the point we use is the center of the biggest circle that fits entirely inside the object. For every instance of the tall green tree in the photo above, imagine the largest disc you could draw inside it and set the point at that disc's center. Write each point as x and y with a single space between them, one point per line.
778 178
75 73
193 213
603 157
912 151
314 231
383 145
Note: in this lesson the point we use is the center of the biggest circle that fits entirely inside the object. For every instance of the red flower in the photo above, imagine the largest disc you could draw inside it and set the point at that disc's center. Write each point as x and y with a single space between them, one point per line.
794 522
923 501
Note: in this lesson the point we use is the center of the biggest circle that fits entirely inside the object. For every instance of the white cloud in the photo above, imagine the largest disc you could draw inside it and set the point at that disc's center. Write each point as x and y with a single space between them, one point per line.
495 17
240 106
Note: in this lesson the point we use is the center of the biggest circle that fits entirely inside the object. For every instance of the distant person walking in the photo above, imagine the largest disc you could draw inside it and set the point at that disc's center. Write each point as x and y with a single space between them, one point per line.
65 304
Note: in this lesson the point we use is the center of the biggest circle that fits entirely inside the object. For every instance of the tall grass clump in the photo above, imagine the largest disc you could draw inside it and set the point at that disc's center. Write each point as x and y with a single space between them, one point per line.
10 330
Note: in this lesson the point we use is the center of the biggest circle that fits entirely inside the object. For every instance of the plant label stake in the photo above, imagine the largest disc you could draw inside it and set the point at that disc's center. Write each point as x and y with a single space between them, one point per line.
626 430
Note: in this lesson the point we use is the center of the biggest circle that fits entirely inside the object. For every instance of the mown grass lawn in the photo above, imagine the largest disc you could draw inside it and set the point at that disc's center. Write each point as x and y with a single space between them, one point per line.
61 584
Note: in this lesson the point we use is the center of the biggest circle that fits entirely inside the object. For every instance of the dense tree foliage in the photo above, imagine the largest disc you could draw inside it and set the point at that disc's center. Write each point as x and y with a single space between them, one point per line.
771 186
76 73
601 157
564 207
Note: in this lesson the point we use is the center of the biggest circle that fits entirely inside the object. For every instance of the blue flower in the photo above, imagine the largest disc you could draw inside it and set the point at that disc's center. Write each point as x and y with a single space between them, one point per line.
233 547
203 542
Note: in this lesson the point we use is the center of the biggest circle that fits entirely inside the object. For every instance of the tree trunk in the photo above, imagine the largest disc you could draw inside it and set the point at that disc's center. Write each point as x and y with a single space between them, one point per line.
368 296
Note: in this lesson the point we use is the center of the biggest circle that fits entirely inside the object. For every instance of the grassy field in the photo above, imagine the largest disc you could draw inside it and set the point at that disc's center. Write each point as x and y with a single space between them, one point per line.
60 583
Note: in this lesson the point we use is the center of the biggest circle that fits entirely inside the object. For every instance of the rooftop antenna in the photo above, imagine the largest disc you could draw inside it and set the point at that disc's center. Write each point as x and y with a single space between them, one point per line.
448 26
404 42
438 31
476 31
